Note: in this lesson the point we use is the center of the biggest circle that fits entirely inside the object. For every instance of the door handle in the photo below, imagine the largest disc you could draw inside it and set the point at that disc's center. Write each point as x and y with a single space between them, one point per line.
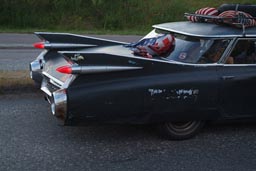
229 77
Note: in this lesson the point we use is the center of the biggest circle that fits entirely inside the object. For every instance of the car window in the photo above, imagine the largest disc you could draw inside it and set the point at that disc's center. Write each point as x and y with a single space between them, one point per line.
214 52
194 50
243 52
190 49
186 50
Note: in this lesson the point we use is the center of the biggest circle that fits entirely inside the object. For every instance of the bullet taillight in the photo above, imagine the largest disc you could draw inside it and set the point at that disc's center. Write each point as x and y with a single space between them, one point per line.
65 69
39 45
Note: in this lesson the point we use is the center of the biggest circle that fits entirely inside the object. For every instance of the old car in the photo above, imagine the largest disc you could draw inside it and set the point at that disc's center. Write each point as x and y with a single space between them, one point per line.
209 74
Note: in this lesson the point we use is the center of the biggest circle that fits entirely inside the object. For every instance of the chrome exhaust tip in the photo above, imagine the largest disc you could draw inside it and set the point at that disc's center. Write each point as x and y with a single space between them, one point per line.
59 104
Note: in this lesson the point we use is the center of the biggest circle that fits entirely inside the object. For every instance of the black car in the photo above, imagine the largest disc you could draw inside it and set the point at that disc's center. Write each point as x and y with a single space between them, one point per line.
210 74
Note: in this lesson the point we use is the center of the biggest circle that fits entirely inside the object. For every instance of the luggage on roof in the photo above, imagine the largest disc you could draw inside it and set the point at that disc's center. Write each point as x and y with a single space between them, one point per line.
231 14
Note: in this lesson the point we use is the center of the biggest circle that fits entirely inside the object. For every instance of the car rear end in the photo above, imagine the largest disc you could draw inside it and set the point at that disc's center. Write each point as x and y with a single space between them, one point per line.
58 66
53 83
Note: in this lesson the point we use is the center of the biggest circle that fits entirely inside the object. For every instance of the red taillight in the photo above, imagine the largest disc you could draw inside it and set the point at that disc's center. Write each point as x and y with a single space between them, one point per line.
39 45
65 69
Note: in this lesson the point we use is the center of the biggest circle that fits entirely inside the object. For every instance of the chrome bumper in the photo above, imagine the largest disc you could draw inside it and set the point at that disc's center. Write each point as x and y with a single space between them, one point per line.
35 68
57 100
59 104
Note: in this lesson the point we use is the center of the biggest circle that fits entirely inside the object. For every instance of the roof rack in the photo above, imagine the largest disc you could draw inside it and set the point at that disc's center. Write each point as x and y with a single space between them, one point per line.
240 20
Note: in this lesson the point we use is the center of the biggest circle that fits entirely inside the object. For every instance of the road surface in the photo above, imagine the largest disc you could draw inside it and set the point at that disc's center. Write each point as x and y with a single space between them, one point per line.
30 139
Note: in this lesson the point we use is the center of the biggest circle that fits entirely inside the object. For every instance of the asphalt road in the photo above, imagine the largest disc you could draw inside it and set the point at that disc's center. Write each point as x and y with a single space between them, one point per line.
17 59
30 139
16 51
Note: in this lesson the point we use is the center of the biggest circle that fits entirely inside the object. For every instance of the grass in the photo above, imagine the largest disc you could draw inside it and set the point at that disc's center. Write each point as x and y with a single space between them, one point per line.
96 31
15 81
96 16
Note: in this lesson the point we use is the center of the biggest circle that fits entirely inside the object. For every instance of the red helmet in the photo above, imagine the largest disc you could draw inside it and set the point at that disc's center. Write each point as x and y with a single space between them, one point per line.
161 45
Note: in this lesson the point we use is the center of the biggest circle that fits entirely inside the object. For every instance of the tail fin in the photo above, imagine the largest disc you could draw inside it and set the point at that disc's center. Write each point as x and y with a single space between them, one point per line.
66 38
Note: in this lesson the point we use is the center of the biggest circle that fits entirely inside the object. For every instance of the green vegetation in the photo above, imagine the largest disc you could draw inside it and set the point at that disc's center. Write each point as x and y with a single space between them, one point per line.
96 16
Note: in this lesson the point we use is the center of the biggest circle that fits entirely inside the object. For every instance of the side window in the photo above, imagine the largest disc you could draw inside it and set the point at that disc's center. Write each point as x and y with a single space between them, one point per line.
243 53
213 52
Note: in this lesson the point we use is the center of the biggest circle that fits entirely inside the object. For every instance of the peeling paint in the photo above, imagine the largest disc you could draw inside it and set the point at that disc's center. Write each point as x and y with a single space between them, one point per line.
156 91
184 94
175 94
187 92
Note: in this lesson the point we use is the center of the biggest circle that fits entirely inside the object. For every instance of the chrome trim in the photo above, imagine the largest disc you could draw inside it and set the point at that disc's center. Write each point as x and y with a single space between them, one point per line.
48 99
250 36
58 83
54 79
54 83
57 100
227 51
238 65
45 89
31 74
35 66
59 104
68 81
101 69
66 45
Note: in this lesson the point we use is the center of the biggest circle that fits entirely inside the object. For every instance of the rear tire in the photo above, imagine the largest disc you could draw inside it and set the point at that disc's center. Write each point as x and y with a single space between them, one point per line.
180 130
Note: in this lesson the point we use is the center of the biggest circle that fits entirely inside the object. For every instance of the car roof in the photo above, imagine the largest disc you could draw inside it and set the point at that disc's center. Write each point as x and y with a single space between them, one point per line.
206 30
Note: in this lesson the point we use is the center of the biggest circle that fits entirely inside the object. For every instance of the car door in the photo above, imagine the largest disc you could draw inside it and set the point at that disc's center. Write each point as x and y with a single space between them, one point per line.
238 82
187 92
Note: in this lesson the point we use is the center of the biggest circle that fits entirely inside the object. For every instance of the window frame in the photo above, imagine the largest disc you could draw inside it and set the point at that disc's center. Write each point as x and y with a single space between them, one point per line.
230 50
